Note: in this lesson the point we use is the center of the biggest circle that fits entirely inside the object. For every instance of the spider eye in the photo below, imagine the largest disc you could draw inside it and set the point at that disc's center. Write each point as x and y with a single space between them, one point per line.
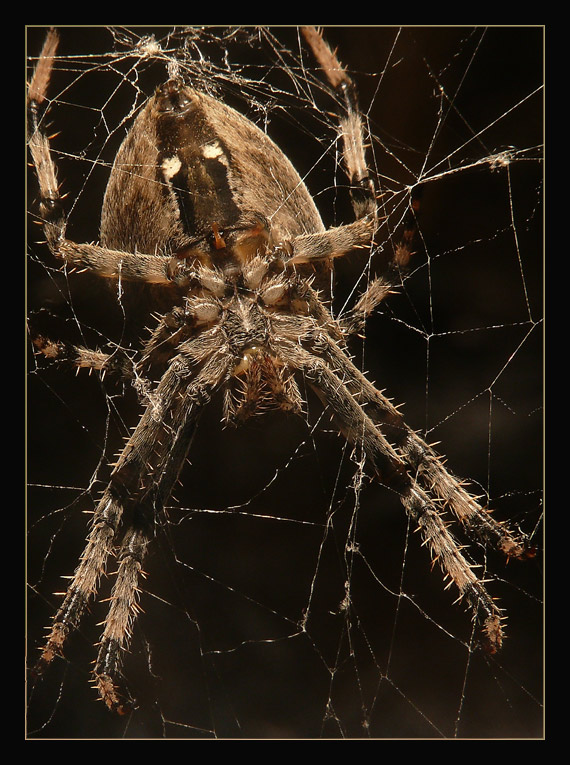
172 97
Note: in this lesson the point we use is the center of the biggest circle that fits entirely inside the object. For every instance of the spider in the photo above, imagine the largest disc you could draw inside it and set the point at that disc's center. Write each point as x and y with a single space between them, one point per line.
203 208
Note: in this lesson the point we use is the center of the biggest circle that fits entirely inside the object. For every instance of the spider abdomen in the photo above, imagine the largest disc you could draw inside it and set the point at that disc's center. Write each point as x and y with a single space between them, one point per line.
190 162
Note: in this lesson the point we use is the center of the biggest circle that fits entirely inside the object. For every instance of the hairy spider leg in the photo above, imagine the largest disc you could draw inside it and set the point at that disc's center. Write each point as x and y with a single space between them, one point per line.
421 458
141 481
392 470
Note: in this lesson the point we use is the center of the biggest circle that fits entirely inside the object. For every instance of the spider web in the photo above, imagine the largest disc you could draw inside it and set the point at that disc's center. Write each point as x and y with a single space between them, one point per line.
286 594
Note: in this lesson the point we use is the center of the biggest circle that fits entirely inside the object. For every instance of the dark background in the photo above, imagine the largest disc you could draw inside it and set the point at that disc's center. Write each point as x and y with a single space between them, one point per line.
219 650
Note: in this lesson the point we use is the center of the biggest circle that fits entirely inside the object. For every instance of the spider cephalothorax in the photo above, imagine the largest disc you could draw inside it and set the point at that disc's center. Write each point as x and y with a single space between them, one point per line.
204 207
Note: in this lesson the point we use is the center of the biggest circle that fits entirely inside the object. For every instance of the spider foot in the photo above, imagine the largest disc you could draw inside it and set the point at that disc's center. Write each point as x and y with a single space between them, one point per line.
110 695
105 674
492 635
492 632
52 649
518 548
